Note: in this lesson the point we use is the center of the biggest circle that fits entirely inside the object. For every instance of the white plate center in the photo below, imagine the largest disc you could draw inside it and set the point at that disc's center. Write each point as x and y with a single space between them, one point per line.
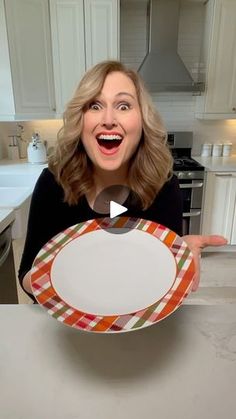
113 274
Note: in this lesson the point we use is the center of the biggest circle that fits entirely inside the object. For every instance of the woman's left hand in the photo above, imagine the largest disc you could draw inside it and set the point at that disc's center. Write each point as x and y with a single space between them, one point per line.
196 243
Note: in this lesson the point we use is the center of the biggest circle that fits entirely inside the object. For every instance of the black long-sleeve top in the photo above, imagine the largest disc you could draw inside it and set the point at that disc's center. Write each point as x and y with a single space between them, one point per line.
49 215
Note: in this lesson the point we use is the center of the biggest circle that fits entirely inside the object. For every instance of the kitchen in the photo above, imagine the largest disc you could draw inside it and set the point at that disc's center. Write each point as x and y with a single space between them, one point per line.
206 44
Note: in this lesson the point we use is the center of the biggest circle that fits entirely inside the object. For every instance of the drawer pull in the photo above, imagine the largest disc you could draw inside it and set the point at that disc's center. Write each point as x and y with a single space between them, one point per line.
191 185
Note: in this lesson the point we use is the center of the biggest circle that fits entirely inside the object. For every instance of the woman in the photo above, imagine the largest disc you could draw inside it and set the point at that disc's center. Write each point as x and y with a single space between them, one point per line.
112 135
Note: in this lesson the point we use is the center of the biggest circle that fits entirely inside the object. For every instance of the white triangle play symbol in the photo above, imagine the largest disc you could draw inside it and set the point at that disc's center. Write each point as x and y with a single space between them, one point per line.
116 209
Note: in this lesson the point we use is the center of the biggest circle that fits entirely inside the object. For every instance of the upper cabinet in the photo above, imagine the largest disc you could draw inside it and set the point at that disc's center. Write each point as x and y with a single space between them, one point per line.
219 100
68 47
25 31
101 30
6 92
46 46
84 32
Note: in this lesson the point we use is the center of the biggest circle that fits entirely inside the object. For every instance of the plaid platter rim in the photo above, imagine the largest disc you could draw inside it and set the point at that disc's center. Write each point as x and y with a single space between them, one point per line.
47 296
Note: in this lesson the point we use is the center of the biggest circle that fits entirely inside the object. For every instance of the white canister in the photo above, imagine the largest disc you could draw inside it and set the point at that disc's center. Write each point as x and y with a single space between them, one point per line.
36 152
206 150
227 149
217 150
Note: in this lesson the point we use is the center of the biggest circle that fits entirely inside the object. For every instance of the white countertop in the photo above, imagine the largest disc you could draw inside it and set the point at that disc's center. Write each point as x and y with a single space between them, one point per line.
217 164
7 216
182 367
20 166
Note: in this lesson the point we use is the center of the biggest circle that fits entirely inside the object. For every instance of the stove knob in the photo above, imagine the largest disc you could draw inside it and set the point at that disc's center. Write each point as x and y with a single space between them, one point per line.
180 175
190 174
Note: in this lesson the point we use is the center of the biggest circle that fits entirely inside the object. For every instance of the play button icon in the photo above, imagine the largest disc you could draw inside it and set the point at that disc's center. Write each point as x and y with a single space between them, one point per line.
116 209
114 201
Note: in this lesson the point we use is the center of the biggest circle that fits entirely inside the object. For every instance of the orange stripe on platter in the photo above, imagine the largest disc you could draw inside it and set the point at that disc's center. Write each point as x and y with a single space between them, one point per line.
44 269
91 227
179 292
46 295
73 318
120 222
105 323
169 239
152 227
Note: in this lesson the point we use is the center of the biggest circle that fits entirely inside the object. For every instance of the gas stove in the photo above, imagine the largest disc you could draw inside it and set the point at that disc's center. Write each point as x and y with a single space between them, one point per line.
181 147
186 163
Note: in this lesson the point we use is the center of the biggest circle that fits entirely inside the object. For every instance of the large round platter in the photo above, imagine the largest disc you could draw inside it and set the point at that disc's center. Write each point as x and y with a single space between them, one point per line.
94 280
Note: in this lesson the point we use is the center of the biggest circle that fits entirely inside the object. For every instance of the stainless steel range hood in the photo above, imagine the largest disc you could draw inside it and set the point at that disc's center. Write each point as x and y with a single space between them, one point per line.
162 69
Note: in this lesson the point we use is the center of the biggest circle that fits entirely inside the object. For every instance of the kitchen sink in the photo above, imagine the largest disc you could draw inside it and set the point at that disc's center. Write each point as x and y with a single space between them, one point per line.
18 180
13 197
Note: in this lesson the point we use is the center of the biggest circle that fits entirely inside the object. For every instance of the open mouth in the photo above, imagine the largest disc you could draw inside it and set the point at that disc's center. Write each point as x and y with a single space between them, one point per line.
109 142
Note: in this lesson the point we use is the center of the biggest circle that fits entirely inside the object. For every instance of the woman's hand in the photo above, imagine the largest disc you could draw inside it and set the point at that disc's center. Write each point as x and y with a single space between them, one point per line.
196 243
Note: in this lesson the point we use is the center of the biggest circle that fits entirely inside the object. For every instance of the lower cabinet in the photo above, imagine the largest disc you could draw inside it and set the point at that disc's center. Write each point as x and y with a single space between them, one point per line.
219 211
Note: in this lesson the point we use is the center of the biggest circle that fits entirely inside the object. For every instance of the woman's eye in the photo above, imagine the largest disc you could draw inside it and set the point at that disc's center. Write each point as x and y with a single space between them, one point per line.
124 106
94 106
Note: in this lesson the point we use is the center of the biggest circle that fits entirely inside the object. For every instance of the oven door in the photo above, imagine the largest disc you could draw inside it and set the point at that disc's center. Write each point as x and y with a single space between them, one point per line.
192 193
191 222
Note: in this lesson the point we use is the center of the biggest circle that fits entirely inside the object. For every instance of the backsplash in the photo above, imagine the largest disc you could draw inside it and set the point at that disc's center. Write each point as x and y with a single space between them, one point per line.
47 129
176 115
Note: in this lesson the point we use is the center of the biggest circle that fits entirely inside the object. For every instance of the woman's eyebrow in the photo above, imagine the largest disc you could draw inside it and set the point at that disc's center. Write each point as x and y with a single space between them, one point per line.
125 93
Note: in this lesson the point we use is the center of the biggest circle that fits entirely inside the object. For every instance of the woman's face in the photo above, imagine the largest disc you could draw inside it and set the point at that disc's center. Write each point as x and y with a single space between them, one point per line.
112 125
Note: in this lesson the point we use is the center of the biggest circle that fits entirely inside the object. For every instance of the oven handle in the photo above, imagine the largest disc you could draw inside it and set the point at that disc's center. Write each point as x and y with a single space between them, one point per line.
191 185
192 214
6 250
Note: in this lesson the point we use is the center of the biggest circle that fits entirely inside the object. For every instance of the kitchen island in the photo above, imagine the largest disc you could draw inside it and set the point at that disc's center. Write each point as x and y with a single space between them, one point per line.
182 367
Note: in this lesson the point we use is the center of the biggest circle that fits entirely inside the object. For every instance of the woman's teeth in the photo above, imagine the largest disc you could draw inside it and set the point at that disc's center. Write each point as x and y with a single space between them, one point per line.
109 141
109 137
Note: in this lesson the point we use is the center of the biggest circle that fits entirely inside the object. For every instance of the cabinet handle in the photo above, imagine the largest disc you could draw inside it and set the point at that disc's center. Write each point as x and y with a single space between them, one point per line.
234 109
6 250
192 214
224 174
54 109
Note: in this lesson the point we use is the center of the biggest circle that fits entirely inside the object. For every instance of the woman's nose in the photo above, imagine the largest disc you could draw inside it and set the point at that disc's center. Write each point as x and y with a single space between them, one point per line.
108 118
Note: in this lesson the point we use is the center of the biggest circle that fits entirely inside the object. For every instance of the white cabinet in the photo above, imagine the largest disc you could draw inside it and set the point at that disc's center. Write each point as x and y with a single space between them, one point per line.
84 32
219 212
219 99
7 106
68 46
45 48
101 30
29 40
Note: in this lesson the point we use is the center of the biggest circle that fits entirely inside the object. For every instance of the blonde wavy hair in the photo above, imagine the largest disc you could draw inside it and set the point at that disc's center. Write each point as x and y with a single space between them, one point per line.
151 164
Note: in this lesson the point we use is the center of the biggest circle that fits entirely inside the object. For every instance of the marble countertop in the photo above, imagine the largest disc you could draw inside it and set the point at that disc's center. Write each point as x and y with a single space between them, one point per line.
7 216
20 166
217 164
182 367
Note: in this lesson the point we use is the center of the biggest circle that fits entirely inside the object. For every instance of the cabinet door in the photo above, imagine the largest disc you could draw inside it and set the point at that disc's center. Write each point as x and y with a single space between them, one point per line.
222 71
7 106
30 54
220 96
67 26
101 30
233 233
219 204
